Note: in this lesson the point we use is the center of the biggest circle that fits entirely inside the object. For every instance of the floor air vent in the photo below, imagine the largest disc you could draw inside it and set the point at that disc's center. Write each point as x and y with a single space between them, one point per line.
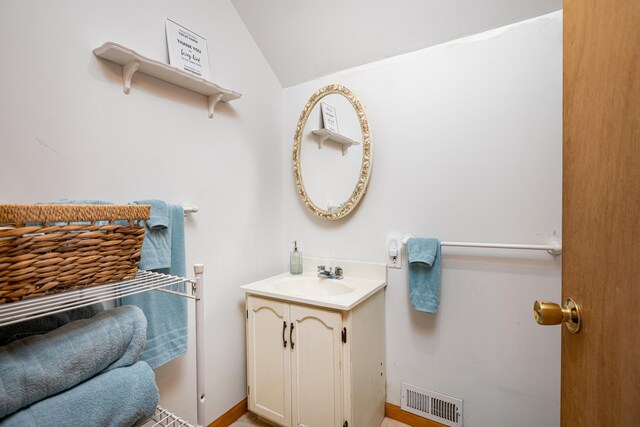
438 407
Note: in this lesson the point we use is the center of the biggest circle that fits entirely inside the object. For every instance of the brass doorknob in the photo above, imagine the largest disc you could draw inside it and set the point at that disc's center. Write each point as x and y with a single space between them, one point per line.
550 313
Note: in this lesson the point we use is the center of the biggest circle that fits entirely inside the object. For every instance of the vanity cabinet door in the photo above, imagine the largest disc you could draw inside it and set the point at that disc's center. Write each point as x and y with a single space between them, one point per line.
268 359
316 367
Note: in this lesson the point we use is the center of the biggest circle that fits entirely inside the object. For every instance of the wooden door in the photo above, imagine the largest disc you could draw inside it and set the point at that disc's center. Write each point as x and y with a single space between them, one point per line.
601 212
269 359
316 367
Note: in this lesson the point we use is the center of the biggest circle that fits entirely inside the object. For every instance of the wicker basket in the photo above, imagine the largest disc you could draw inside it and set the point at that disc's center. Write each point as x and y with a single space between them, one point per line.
46 249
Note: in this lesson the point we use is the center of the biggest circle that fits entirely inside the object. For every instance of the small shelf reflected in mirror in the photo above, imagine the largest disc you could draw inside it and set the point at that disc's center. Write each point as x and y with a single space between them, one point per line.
325 134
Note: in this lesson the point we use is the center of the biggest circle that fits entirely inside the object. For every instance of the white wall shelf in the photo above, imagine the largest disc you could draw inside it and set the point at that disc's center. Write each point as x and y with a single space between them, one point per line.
33 308
326 134
132 61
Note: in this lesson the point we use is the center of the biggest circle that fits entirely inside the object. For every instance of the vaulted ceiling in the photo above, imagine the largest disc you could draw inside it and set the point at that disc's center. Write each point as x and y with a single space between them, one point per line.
306 39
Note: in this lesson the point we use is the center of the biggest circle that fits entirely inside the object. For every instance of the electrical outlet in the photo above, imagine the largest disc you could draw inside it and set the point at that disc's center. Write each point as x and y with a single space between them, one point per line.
395 254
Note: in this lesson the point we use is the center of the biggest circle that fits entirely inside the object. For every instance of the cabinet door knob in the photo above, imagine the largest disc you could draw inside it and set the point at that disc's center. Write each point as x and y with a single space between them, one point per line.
284 329
291 336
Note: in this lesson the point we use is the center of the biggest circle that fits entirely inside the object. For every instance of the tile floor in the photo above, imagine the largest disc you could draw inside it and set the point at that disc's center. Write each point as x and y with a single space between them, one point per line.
249 419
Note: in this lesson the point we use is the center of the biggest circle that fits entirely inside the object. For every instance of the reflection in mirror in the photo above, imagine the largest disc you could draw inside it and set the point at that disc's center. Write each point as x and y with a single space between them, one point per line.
332 158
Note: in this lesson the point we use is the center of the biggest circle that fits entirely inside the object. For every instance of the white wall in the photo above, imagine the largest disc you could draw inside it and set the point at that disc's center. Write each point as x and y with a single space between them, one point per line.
67 130
467 147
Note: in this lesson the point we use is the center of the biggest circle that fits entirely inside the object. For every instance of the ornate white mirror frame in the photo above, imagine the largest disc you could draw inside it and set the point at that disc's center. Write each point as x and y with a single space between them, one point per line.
365 168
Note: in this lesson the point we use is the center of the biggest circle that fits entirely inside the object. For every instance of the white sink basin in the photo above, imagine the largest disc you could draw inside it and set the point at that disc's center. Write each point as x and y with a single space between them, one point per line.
361 280
313 286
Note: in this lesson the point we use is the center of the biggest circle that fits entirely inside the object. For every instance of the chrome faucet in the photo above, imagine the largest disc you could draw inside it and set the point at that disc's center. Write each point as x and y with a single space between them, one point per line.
327 274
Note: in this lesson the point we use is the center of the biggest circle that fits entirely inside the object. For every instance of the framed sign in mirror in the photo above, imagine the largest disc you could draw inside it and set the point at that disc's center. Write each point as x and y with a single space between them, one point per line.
331 168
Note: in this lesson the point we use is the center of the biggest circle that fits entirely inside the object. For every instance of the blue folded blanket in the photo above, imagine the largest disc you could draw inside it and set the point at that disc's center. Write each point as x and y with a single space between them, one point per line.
122 397
40 366
42 325
424 273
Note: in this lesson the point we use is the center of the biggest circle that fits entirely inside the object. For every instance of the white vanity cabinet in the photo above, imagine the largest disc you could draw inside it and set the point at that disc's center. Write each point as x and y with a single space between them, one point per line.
294 355
316 366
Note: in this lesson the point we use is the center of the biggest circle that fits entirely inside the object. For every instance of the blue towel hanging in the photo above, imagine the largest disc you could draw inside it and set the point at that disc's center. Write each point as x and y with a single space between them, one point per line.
166 314
424 273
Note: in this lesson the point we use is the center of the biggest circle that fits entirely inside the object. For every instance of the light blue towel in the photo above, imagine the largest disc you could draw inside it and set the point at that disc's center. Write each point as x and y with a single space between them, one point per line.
79 202
424 273
42 325
40 366
166 313
122 397
156 246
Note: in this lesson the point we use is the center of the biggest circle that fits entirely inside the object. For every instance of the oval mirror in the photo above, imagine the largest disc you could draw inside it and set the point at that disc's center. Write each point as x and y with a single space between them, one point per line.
332 152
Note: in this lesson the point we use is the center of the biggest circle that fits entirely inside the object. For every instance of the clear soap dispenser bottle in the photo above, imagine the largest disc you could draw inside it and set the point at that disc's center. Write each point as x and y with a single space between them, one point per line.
295 260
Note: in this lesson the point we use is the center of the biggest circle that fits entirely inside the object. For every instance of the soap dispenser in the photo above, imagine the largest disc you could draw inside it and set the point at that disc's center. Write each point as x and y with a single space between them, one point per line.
295 260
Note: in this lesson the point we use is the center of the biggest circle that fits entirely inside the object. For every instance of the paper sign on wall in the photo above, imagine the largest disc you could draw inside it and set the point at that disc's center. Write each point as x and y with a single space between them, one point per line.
329 119
187 50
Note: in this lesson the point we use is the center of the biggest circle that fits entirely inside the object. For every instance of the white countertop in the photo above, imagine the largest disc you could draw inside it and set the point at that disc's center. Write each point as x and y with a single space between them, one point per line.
362 289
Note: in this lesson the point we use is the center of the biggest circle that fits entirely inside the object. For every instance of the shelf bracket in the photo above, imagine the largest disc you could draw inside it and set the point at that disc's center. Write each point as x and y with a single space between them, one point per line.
323 135
321 140
213 100
128 70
